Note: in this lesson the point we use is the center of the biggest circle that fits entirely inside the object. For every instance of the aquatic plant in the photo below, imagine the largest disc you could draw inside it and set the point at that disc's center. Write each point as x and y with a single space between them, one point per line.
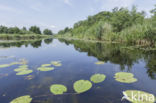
58 89
23 66
20 69
136 96
45 65
125 77
29 77
4 65
81 86
56 63
97 78
24 72
45 68
22 99
99 62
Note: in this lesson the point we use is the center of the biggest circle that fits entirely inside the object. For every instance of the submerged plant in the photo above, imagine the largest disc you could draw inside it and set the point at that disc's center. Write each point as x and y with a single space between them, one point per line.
58 89
56 63
97 78
99 62
24 72
136 96
125 77
45 68
81 86
45 65
22 99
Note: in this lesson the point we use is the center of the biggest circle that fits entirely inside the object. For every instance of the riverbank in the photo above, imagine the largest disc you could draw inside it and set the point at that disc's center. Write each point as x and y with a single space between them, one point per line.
23 36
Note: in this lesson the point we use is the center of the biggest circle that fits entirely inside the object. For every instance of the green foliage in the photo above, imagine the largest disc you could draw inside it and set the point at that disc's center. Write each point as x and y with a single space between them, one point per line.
119 25
98 78
22 99
81 86
47 32
58 89
35 29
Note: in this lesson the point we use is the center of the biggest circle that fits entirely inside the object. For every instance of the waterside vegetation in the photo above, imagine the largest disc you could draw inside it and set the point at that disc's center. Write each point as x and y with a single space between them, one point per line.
119 25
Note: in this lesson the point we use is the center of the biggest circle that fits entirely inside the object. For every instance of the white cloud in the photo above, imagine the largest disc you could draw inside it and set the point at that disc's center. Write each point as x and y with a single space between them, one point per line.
36 7
68 2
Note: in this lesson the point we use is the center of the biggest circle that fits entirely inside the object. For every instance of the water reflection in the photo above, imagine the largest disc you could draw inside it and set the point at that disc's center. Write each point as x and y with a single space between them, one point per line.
117 54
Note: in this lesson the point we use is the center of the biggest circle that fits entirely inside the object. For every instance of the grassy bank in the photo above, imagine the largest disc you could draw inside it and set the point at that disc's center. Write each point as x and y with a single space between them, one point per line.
119 25
22 36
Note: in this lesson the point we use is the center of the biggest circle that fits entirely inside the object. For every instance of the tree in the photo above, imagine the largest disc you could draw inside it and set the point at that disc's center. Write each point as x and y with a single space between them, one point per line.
3 29
47 32
35 29
13 30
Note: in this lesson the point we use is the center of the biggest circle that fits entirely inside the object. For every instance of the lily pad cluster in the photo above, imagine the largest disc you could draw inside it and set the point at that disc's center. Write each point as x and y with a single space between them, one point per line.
97 78
22 99
124 77
140 96
23 70
56 63
45 67
99 63
58 89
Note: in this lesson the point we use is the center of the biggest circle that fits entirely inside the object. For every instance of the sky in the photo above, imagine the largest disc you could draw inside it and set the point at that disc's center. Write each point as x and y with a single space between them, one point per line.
58 14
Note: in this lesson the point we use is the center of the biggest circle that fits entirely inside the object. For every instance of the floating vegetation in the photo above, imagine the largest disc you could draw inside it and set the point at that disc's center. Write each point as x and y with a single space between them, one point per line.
81 86
58 89
23 66
22 99
45 68
45 65
125 77
24 72
20 69
56 63
99 62
14 63
140 96
4 65
97 78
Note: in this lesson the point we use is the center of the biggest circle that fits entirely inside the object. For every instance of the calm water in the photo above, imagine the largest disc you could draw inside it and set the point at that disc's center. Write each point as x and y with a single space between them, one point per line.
78 59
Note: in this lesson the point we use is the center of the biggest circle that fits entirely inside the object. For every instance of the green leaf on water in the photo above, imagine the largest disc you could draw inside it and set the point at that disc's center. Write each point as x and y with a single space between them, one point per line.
136 96
20 69
81 86
125 77
24 72
98 78
4 65
56 63
99 62
45 65
22 99
45 68
58 89
23 66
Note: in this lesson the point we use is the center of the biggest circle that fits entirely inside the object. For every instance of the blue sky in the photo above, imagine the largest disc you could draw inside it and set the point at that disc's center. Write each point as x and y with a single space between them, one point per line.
57 14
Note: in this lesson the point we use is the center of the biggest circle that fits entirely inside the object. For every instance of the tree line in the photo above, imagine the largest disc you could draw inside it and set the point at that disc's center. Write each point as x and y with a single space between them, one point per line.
120 24
24 30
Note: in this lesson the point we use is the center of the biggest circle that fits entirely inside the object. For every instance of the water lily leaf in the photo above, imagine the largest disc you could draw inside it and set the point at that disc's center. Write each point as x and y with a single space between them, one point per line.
56 63
136 96
98 78
4 65
22 99
99 62
81 86
45 68
125 77
45 65
24 72
58 89
14 63
20 69
23 66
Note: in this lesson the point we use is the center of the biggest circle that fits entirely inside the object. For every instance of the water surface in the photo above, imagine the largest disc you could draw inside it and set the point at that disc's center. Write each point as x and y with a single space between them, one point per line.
78 62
